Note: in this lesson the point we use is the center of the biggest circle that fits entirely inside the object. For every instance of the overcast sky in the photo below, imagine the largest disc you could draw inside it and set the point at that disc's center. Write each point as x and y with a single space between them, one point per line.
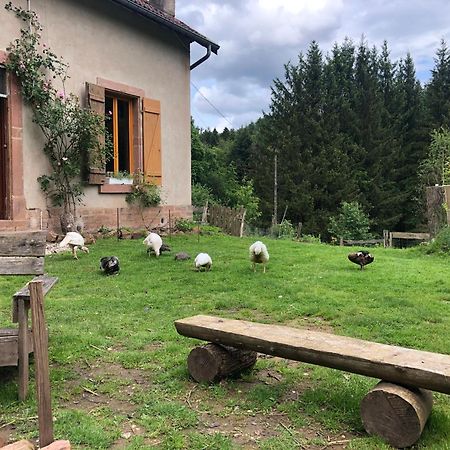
257 37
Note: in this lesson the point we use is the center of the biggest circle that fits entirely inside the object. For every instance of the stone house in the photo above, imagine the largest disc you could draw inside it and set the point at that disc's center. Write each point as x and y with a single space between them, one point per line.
127 57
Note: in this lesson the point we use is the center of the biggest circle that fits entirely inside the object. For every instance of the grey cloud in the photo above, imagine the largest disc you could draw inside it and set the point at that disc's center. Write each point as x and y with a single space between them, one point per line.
257 37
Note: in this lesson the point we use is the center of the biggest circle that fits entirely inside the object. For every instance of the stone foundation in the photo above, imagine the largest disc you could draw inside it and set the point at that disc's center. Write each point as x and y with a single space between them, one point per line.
92 219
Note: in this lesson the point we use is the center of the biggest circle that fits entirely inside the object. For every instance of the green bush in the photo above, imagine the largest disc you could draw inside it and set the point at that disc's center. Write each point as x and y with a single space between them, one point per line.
284 230
143 194
185 225
310 239
441 243
350 223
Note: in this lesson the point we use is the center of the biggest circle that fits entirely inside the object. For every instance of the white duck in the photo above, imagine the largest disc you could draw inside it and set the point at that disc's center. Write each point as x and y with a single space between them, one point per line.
153 242
75 241
258 255
203 260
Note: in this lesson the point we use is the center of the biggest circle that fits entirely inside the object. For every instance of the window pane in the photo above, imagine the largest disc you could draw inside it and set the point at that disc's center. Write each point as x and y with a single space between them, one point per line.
123 138
109 128
2 82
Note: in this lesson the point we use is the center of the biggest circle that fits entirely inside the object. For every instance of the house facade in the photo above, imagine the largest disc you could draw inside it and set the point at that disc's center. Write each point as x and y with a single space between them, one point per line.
129 59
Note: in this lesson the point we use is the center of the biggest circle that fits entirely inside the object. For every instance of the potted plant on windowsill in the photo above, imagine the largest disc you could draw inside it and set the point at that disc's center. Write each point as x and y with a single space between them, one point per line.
119 178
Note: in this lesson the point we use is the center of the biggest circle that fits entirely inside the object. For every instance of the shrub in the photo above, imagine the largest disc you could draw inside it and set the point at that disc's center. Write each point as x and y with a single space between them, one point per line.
441 243
284 230
185 225
351 222
310 239
143 194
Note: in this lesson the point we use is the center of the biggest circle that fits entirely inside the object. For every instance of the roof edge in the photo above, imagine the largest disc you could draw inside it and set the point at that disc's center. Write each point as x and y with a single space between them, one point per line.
168 21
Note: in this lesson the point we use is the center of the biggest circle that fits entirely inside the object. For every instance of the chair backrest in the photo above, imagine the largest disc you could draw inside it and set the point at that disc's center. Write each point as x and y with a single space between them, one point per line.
22 252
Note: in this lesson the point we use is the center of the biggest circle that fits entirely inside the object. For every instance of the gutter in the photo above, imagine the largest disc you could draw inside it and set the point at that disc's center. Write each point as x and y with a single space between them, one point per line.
202 59
173 24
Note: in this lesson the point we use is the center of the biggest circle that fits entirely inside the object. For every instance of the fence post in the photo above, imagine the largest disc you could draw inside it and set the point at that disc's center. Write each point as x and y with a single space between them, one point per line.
385 238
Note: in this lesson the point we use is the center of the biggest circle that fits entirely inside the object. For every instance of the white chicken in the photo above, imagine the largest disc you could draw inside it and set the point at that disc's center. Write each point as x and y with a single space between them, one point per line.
258 255
203 261
75 241
153 242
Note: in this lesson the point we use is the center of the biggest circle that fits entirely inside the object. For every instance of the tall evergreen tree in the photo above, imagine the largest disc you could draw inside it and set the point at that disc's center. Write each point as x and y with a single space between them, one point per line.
438 90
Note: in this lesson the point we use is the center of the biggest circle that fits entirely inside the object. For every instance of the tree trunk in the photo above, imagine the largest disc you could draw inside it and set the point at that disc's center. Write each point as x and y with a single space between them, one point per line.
396 413
212 362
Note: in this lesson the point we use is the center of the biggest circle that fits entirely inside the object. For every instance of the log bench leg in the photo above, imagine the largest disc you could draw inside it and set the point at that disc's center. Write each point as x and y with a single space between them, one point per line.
23 350
395 413
212 362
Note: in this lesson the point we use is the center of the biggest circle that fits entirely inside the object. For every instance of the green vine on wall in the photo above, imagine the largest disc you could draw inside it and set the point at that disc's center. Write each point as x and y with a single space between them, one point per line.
70 131
143 194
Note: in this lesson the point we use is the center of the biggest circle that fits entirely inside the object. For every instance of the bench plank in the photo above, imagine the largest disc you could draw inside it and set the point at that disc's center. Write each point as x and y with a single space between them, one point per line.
23 243
24 293
21 265
390 363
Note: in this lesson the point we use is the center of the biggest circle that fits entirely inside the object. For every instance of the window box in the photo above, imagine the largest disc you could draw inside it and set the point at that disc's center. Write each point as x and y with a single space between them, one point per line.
114 180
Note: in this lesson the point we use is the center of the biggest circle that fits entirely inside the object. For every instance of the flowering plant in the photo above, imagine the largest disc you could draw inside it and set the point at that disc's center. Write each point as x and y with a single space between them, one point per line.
70 131
143 194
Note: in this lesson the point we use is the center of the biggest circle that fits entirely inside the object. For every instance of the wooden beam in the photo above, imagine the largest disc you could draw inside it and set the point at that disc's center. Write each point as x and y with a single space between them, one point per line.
21 265
390 363
419 236
24 293
23 243
40 339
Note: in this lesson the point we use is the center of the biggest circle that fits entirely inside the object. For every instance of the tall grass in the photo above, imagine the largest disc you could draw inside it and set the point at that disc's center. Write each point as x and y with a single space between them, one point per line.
114 336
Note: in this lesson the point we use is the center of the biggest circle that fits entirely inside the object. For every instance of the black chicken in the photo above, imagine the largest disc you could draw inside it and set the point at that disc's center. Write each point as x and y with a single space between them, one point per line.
110 265
362 258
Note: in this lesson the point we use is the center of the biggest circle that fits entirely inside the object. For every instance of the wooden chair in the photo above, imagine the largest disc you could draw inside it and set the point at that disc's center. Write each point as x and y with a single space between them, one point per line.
21 253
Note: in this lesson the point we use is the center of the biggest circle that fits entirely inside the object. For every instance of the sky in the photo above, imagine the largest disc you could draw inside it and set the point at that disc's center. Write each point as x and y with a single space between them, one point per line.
258 37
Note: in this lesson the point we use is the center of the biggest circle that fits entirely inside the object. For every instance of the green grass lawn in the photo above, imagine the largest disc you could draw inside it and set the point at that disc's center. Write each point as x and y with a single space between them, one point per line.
118 367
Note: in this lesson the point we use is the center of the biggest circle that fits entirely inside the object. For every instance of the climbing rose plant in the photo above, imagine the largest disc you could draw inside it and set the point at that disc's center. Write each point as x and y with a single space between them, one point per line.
71 132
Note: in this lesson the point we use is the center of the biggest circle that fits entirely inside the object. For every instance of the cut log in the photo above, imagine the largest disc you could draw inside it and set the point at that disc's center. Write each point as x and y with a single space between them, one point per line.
19 445
212 362
58 445
3 440
386 362
396 414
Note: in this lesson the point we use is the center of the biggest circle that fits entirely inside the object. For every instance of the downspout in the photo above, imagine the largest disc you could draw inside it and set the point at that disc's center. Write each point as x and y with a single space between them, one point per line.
202 59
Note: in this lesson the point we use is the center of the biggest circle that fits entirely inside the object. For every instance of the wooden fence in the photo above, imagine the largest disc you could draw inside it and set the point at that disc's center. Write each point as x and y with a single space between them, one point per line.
230 220
416 236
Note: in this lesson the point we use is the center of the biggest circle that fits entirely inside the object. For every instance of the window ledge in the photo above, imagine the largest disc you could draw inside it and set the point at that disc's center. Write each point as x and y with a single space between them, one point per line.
115 188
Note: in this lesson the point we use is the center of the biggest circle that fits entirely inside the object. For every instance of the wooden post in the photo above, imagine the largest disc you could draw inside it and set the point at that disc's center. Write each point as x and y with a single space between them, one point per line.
299 229
212 362
395 413
341 241
385 238
170 225
40 340
118 223
241 228
205 213
390 239
23 349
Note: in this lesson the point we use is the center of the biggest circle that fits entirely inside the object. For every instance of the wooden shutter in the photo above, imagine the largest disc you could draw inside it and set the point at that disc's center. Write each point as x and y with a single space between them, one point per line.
96 163
152 141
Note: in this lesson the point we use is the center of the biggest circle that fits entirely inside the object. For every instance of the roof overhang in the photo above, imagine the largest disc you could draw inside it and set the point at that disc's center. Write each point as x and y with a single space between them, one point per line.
144 9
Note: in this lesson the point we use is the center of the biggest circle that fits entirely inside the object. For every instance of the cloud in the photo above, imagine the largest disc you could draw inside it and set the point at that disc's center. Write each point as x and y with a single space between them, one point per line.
257 37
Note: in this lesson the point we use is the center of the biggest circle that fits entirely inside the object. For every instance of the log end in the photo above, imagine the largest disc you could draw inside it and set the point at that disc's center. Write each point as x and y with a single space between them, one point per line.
395 413
203 366
212 362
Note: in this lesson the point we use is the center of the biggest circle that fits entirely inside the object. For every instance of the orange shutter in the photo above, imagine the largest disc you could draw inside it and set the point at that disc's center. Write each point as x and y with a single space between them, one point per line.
152 141
96 163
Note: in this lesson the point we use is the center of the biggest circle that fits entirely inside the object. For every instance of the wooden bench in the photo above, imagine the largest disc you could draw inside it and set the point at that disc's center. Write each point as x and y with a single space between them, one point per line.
21 253
396 409
414 236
